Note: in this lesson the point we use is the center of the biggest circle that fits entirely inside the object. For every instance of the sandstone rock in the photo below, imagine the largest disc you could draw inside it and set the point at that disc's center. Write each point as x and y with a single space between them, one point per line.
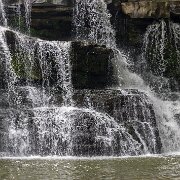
150 9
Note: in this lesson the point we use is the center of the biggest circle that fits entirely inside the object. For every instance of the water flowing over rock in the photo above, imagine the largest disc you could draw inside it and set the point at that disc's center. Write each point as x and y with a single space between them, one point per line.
160 59
28 125
92 22
64 98
27 5
3 20
161 52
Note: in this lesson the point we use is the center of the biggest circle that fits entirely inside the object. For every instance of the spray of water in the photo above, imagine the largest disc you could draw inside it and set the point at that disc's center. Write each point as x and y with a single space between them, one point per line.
155 40
42 128
60 53
28 7
156 44
3 20
92 22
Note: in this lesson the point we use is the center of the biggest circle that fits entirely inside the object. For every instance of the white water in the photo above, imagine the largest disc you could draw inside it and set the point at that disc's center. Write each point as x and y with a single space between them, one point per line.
91 21
28 7
175 31
167 110
3 20
55 124
18 120
61 55
155 38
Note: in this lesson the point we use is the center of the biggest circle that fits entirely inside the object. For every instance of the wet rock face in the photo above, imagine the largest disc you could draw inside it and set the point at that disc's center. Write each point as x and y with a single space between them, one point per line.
105 122
91 64
52 20
115 119
92 67
146 9
4 113
150 9
129 108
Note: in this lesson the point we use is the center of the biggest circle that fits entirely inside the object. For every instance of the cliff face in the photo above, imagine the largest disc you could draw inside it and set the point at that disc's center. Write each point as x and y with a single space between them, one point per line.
52 19
92 70
98 112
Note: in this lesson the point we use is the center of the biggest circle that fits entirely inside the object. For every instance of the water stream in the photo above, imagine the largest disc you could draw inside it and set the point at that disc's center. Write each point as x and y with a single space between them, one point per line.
3 20
28 6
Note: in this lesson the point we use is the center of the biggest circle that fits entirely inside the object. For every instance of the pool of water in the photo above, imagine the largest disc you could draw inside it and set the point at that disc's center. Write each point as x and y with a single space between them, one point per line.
107 168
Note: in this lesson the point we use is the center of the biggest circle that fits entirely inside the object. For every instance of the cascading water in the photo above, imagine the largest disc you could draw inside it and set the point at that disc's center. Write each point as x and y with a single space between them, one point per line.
28 7
3 20
154 40
92 22
52 56
161 40
51 129
60 52
161 43
39 69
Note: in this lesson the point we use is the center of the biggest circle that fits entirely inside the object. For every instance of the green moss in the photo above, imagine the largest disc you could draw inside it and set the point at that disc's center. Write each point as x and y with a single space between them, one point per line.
23 67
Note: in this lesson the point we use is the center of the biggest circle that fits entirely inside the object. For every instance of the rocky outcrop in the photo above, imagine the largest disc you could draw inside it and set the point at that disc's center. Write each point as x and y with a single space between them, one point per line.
91 64
103 122
129 108
150 9
99 114
52 20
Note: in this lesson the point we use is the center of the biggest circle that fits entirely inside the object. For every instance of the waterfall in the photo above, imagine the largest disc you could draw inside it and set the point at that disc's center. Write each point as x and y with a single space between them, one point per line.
60 51
39 74
154 41
92 22
6 59
52 57
3 20
138 117
58 133
160 39
28 7
160 48
37 126
175 31
154 48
